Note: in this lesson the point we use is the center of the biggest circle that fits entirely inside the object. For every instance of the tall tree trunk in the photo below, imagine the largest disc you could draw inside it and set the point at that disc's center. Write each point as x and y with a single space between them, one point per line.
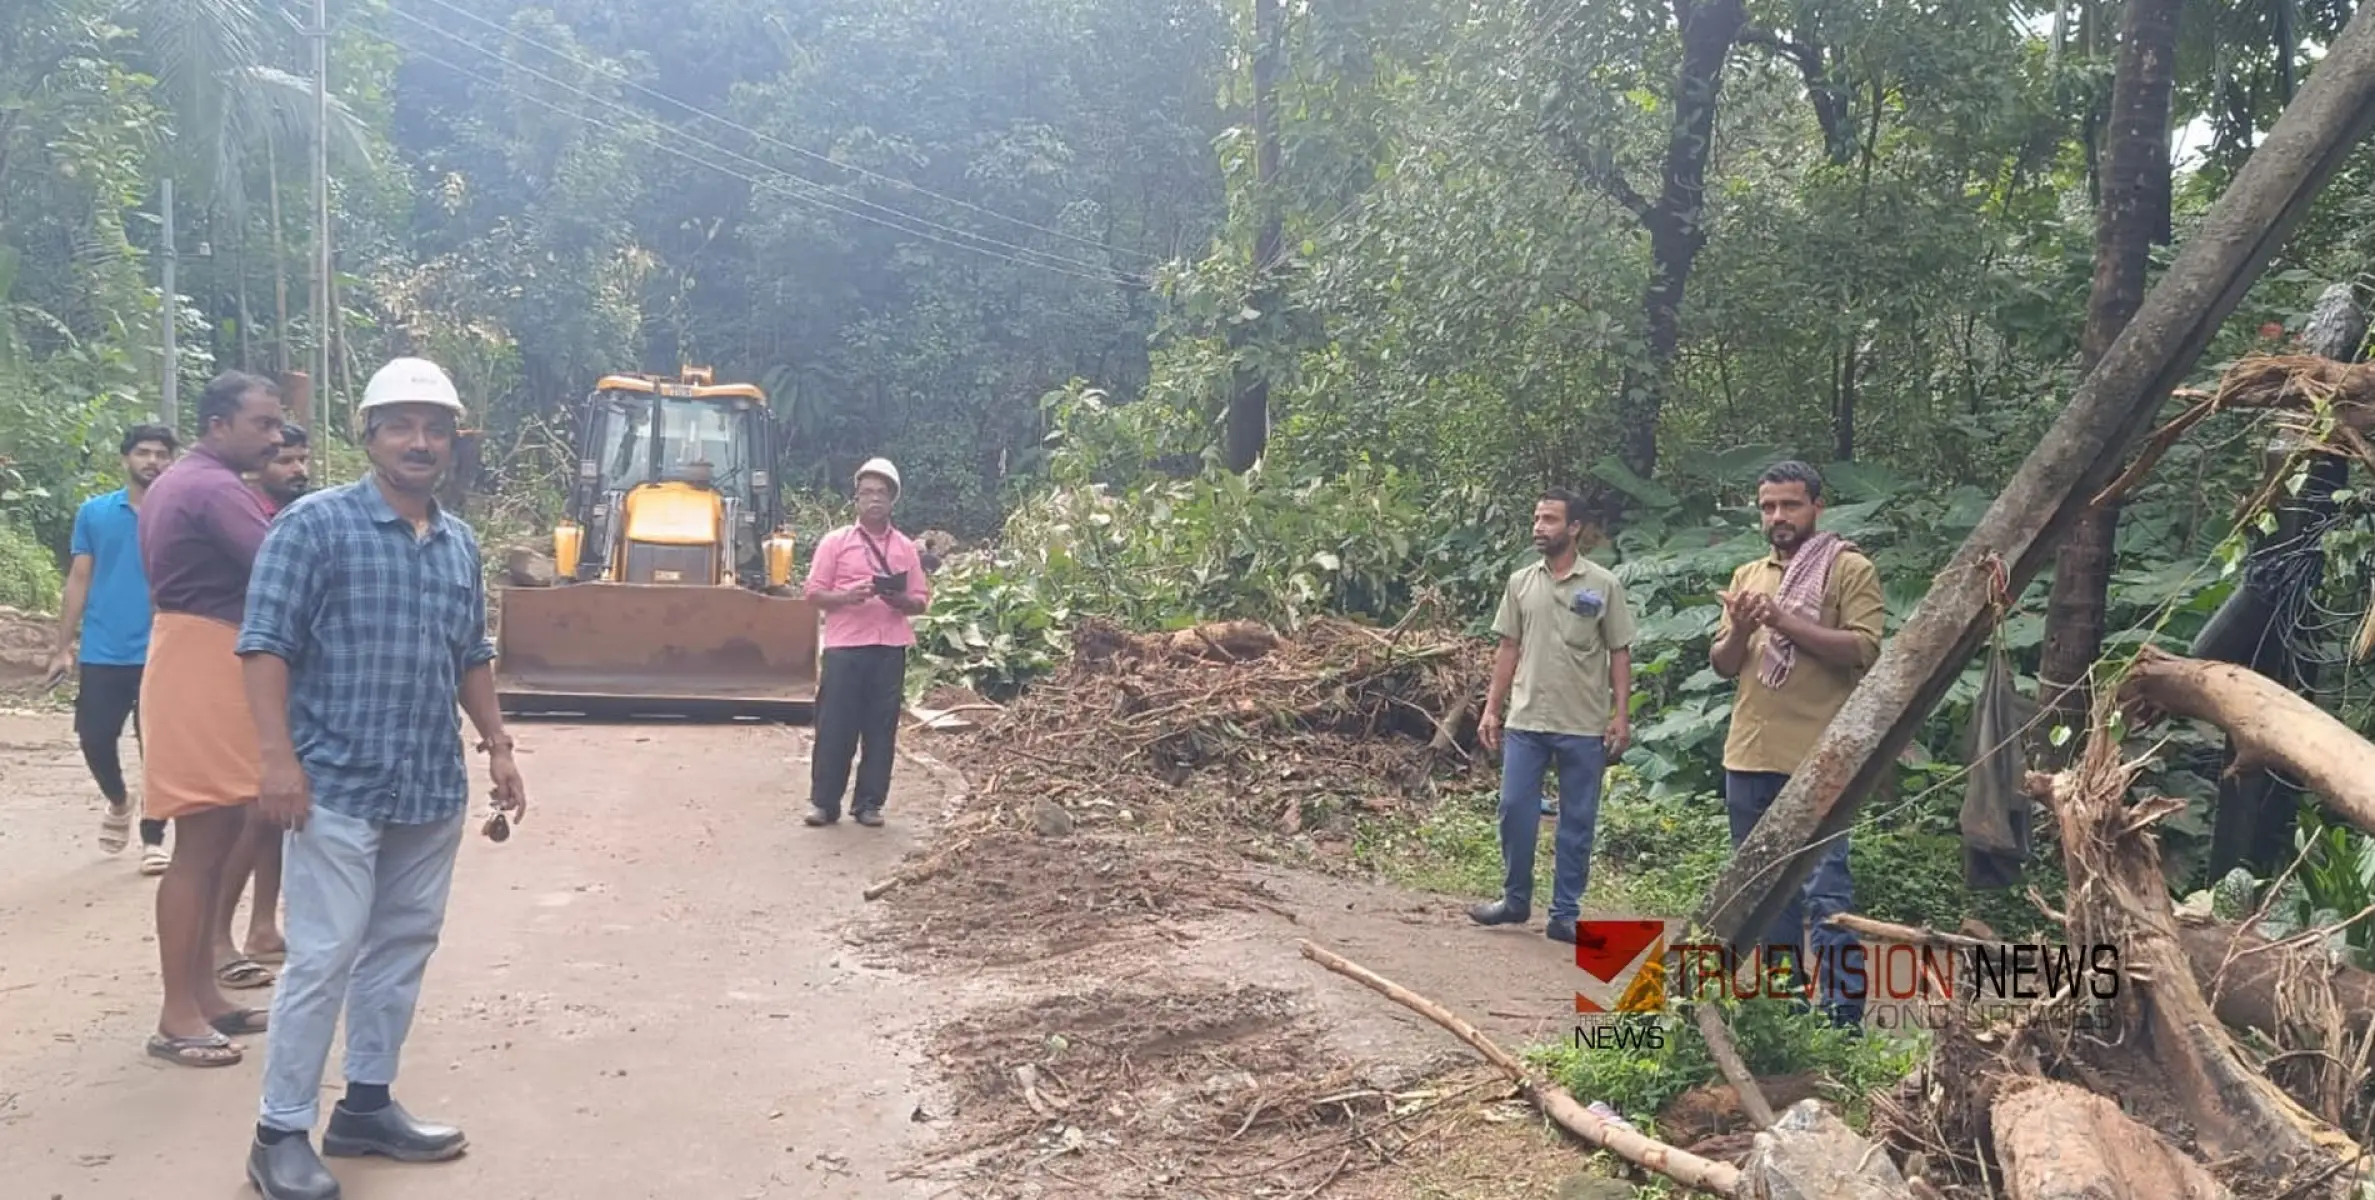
1249 400
280 267
247 317
1676 222
2135 182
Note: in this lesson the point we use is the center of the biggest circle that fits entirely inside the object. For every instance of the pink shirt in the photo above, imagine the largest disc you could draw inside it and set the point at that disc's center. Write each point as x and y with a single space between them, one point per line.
843 563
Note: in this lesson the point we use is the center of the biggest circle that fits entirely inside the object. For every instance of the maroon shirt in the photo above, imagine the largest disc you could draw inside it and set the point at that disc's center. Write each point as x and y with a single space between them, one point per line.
200 526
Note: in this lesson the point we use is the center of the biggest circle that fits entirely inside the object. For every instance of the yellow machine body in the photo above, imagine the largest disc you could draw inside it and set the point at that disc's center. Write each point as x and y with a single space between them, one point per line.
675 593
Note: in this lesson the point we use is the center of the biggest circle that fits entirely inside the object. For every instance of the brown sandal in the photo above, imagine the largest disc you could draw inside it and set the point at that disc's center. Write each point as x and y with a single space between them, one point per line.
209 1050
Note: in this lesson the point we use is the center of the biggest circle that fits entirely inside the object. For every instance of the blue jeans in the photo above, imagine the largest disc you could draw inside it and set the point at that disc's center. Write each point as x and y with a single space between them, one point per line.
1828 891
366 907
1525 758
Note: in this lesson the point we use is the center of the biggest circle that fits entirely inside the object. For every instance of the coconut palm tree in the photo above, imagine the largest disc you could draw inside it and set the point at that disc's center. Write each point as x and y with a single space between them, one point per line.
238 116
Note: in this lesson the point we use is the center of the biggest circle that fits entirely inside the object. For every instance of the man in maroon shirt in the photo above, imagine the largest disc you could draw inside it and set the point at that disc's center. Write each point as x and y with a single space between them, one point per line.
199 531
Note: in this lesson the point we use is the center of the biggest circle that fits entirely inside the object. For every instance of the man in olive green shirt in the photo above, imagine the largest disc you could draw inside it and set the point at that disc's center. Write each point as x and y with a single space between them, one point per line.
1565 663
1799 629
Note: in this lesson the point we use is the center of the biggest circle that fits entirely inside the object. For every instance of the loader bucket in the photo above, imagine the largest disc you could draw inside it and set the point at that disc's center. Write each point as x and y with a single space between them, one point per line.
635 650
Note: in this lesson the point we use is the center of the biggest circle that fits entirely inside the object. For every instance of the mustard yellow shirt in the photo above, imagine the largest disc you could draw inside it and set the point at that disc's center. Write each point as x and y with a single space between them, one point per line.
1773 730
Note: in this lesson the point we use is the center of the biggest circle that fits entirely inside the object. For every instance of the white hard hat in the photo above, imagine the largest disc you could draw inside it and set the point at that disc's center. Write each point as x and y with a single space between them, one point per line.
882 467
410 381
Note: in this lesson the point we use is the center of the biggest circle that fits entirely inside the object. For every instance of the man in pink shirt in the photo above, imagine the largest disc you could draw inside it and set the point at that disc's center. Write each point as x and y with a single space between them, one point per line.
869 581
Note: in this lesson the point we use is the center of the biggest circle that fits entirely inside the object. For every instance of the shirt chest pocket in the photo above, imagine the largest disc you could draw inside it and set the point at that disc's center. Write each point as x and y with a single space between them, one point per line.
1578 617
446 608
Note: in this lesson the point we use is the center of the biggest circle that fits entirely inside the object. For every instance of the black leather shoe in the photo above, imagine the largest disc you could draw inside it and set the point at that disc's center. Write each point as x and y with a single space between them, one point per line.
1560 931
1500 913
818 817
289 1170
391 1132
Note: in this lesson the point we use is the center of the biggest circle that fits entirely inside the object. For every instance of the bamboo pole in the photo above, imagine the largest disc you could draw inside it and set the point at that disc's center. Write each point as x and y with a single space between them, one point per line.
1681 1166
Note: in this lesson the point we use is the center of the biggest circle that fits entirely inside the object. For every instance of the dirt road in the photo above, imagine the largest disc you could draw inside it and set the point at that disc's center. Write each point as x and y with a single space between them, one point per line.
646 992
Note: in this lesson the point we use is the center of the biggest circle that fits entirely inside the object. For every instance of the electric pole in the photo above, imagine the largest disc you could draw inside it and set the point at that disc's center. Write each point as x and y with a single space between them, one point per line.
322 314
169 403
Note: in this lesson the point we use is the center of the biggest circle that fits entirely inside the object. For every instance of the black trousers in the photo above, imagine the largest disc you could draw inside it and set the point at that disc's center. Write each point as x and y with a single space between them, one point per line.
107 695
857 716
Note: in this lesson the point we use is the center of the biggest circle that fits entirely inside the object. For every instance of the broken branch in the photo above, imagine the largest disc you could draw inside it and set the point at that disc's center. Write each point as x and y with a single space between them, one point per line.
2269 725
1886 931
1727 1059
1681 1166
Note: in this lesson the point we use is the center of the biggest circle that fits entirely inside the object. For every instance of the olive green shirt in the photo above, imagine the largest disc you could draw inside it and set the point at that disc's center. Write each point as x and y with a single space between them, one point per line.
1773 730
1562 683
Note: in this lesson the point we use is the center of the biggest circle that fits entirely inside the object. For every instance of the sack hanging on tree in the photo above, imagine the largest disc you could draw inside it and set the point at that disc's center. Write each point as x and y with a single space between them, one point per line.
1997 812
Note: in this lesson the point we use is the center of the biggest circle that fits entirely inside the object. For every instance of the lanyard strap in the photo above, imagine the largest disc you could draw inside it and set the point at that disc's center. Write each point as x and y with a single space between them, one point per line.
881 563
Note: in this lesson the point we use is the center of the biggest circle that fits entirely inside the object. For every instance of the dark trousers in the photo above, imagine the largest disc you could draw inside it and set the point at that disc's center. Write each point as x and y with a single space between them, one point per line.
1828 891
108 695
1527 756
857 716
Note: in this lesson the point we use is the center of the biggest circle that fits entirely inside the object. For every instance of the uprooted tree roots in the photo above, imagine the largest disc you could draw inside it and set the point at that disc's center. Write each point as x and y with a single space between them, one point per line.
2008 1105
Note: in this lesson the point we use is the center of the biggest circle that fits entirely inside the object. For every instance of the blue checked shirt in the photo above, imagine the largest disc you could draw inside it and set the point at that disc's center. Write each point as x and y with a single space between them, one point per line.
378 627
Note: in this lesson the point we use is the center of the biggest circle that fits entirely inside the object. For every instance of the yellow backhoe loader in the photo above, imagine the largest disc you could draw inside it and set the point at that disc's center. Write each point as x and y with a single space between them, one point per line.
673 593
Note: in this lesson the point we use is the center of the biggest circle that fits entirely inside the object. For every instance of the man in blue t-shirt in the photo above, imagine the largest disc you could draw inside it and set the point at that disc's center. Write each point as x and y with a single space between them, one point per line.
106 607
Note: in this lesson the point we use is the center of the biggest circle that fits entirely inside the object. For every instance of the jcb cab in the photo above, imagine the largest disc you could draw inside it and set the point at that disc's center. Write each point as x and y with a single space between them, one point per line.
674 592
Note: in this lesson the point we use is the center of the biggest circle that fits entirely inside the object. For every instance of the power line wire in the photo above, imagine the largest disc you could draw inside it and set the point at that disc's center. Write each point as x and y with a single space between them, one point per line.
639 116
1094 274
803 151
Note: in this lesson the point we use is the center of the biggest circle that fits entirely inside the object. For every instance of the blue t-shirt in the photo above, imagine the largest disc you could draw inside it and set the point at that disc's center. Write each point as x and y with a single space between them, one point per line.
115 618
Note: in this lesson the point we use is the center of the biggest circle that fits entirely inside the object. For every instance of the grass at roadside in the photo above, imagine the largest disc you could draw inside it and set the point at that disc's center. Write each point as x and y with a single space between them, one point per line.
1658 856
1654 857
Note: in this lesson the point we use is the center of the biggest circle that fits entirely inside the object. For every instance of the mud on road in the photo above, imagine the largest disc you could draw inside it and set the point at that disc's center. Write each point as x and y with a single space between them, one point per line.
664 985
645 992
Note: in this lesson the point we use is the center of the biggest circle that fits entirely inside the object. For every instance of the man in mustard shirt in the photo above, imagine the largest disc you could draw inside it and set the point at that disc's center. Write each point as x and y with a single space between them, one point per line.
1566 664
1800 627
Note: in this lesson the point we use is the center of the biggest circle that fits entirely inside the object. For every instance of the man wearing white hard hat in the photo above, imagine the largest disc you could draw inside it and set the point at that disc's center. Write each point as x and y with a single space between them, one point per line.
366 627
869 579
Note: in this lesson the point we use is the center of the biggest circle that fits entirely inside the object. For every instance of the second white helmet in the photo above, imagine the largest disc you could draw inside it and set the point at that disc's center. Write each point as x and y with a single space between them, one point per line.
411 381
882 467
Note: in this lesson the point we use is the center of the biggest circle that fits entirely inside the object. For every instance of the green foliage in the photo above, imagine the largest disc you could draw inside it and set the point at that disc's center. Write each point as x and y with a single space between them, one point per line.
1161 553
2333 881
1772 1039
29 578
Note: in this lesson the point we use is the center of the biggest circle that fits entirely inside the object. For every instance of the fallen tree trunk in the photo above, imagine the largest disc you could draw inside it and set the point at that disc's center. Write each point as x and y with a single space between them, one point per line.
2252 982
2119 897
2258 984
2058 1142
1681 1166
2269 726
2327 119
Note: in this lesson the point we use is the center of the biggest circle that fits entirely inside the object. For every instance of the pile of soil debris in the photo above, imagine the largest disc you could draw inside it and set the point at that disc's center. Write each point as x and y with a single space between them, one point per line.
1199 1088
1231 727
1109 810
25 641
1126 793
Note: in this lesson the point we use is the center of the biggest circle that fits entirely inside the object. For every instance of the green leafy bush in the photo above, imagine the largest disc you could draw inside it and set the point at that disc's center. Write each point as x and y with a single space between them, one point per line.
1773 1040
29 578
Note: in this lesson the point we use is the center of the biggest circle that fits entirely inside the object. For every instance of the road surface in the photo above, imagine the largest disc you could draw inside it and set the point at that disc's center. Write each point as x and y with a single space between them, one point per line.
644 993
